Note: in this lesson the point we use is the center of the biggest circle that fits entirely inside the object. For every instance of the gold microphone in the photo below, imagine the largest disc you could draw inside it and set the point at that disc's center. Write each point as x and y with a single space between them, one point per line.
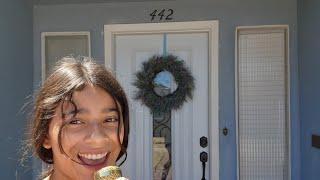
108 173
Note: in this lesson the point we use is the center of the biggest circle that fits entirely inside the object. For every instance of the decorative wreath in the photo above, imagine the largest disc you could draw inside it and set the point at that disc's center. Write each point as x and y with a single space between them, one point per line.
144 83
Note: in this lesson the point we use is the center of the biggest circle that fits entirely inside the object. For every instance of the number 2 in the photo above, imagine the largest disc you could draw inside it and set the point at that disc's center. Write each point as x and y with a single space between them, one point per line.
168 17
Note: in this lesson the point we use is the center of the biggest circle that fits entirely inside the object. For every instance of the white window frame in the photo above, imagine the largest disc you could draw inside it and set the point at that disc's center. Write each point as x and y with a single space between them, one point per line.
287 59
43 46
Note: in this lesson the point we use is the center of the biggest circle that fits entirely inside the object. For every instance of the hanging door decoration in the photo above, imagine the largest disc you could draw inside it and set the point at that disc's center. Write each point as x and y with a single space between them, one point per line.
164 83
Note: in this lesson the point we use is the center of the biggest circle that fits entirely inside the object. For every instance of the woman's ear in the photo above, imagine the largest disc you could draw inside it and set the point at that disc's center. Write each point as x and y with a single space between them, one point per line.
47 143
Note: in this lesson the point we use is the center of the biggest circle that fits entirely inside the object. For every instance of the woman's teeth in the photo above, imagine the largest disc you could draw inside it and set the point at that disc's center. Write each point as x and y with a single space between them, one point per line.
93 156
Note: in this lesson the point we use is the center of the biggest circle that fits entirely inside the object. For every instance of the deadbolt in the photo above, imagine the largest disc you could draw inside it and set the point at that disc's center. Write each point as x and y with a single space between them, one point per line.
203 141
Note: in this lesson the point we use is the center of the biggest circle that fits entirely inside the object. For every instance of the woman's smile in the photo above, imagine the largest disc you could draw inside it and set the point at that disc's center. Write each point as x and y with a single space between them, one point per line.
94 161
91 156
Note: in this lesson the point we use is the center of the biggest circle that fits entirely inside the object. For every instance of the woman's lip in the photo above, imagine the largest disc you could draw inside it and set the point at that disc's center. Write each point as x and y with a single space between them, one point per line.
93 152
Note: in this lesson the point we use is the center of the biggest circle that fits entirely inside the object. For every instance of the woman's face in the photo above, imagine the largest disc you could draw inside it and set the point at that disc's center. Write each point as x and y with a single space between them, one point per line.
89 138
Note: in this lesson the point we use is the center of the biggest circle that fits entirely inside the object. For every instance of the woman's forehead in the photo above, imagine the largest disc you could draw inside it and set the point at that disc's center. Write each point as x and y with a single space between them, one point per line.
91 98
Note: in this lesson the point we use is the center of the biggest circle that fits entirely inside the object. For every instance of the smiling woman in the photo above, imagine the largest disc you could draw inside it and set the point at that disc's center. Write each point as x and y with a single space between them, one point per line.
80 120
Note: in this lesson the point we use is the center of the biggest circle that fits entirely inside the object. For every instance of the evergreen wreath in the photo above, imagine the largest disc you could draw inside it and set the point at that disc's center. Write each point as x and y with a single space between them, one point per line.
144 83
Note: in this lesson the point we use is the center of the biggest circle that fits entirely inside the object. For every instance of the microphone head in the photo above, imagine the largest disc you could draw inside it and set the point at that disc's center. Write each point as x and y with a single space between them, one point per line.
108 173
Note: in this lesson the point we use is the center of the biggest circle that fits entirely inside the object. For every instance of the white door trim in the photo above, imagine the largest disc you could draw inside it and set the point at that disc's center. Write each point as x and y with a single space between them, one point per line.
210 27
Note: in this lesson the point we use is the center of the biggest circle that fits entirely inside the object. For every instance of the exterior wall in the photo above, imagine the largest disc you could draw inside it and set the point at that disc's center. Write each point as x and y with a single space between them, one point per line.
16 74
309 83
230 13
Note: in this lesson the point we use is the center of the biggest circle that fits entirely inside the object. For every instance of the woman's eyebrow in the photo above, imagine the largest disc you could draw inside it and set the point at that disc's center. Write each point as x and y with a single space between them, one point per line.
110 110
104 110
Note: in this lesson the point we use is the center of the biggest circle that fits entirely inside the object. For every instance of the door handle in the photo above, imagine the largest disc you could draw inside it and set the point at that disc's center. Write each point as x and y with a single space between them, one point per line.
203 159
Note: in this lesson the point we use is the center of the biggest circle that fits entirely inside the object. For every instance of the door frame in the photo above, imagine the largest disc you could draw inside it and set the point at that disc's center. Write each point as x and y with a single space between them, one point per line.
210 27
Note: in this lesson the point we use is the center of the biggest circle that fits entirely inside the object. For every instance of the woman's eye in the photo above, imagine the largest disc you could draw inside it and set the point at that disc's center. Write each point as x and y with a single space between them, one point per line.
75 121
111 119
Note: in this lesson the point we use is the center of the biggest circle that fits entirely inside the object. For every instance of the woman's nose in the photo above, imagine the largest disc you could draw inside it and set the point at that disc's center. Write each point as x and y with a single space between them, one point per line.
96 134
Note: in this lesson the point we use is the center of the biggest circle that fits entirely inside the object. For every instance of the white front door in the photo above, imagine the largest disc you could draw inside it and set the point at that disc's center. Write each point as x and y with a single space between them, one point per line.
175 154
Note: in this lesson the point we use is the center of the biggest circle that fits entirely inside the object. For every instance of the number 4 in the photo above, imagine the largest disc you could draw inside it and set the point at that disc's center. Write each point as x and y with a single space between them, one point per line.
161 14
153 14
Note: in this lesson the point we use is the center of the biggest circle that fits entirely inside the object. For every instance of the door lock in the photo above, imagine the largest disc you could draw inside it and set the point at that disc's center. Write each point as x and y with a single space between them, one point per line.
203 141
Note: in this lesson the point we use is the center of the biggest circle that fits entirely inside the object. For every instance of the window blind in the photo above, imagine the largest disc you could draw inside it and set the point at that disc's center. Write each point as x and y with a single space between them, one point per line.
262 104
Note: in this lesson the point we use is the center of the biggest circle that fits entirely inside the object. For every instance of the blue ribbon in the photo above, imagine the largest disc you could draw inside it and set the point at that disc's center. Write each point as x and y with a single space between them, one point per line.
164 44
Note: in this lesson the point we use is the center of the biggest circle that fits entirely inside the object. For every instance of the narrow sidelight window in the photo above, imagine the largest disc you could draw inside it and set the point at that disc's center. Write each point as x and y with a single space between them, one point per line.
262 103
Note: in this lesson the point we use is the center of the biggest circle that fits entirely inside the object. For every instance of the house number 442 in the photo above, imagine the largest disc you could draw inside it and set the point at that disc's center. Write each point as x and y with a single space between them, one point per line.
164 14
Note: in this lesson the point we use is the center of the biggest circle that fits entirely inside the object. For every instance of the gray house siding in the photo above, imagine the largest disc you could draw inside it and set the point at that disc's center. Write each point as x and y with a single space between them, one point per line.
16 74
309 83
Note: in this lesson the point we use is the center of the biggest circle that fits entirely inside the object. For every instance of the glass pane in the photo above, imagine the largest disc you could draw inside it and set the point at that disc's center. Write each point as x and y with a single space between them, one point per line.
164 84
263 130
60 46
162 146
